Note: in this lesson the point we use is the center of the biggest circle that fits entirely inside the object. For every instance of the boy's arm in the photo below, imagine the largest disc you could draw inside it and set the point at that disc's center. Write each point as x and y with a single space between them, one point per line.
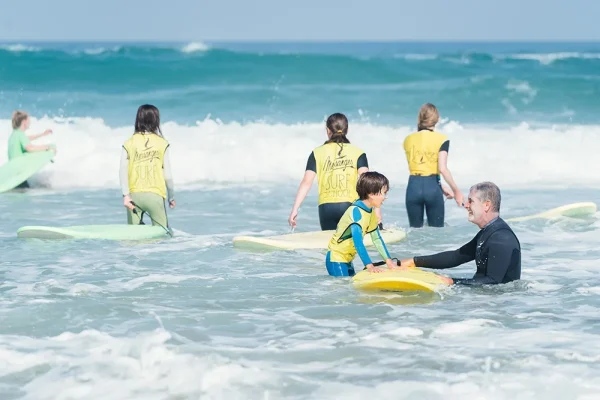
380 244
359 245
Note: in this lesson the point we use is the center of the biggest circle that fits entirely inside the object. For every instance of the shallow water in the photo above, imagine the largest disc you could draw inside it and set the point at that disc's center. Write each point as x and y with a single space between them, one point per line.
194 317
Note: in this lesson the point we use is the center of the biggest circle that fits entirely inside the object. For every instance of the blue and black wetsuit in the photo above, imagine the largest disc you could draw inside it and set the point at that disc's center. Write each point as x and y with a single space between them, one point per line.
347 241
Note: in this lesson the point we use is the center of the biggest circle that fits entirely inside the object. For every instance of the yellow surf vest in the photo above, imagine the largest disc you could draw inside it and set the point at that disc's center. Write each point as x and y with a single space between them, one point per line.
422 150
337 172
146 154
341 244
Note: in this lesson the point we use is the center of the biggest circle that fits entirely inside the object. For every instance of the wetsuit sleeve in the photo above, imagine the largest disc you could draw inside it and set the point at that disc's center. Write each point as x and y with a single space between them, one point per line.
380 244
502 247
359 244
362 161
448 259
123 172
311 164
445 146
357 237
168 176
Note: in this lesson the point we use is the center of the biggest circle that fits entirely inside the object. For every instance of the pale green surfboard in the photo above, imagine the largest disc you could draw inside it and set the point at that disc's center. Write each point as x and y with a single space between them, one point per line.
110 232
307 240
570 210
18 170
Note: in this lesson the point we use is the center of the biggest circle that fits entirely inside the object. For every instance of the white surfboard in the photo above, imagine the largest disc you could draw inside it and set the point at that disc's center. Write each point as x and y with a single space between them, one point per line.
570 210
109 232
307 240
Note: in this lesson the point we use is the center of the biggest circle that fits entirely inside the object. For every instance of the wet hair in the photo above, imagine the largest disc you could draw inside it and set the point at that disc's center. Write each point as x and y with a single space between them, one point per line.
488 191
18 117
338 125
428 117
148 119
371 183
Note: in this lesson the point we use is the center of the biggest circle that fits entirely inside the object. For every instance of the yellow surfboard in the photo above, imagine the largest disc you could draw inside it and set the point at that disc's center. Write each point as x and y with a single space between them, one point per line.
307 240
570 210
410 280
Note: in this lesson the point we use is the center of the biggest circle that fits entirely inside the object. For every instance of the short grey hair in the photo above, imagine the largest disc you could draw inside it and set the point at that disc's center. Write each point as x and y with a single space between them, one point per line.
488 191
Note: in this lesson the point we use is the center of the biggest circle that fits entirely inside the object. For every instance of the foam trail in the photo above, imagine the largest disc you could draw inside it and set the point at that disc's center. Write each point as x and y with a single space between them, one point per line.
217 153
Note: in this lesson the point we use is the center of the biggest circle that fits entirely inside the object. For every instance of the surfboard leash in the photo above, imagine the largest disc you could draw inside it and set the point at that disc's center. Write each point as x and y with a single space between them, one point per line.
149 216
380 263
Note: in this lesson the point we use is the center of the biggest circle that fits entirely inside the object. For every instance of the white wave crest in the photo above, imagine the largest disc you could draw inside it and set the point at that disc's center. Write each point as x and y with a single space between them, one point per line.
215 153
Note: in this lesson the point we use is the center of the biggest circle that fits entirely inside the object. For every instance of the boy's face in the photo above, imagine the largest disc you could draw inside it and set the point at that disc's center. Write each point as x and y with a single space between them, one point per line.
378 199
25 124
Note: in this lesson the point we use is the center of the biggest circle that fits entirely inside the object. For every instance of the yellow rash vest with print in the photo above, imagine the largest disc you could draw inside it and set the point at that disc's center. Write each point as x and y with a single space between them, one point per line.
341 244
337 172
422 152
146 156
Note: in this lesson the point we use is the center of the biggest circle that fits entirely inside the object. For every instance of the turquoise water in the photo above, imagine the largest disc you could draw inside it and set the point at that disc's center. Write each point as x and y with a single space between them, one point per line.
194 317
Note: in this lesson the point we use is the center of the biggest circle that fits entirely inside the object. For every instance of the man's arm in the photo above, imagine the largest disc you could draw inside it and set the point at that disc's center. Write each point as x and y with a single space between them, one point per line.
448 259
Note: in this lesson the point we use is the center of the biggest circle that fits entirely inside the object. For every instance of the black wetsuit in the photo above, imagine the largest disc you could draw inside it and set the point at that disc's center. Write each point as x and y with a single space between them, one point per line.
495 249
424 195
331 213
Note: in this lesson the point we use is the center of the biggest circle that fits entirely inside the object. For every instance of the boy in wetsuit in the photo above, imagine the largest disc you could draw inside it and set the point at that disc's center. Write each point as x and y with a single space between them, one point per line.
359 219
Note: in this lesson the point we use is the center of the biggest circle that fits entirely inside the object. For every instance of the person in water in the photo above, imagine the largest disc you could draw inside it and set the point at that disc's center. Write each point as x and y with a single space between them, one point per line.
495 249
337 164
427 156
358 220
19 143
145 170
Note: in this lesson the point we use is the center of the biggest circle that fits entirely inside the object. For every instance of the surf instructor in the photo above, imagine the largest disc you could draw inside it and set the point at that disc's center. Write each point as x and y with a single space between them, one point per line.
337 164
19 143
427 156
495 249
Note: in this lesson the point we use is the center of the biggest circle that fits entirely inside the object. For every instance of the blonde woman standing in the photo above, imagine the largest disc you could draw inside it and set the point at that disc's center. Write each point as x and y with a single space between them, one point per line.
427 157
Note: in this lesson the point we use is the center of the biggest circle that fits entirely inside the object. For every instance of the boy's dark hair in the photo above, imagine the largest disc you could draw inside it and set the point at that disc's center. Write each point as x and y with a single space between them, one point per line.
371 183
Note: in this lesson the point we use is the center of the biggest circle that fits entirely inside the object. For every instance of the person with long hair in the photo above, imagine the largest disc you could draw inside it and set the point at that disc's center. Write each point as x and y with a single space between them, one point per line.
145 170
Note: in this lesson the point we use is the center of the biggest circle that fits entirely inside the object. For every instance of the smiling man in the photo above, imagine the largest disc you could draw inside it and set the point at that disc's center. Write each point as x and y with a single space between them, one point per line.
495 249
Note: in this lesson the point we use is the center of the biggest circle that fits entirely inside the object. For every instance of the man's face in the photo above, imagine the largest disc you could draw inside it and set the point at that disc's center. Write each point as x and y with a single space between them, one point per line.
476 208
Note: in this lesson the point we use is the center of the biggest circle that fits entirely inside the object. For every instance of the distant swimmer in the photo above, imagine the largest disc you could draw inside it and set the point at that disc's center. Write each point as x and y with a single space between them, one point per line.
427 155
145 171
337 164
19 143
495 249
358 220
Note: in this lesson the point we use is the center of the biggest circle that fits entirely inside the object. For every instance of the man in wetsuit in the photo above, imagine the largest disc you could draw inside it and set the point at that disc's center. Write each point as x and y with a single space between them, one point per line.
495 249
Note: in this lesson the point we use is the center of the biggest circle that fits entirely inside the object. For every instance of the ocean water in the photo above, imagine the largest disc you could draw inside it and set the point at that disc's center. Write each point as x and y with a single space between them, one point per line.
194 317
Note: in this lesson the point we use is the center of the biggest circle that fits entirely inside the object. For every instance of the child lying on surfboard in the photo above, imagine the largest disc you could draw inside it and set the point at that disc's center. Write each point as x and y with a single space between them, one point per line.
358 220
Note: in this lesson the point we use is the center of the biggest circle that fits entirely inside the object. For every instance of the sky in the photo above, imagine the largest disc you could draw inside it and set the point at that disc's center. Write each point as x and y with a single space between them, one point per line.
299 20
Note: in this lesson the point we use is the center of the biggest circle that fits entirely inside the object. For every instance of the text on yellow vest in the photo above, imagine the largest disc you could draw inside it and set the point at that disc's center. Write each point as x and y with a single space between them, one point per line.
146 158
337 172
341 244
422 152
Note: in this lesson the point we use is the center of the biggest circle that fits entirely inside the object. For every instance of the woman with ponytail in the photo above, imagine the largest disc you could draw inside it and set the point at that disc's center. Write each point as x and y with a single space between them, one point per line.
337 164
427 157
